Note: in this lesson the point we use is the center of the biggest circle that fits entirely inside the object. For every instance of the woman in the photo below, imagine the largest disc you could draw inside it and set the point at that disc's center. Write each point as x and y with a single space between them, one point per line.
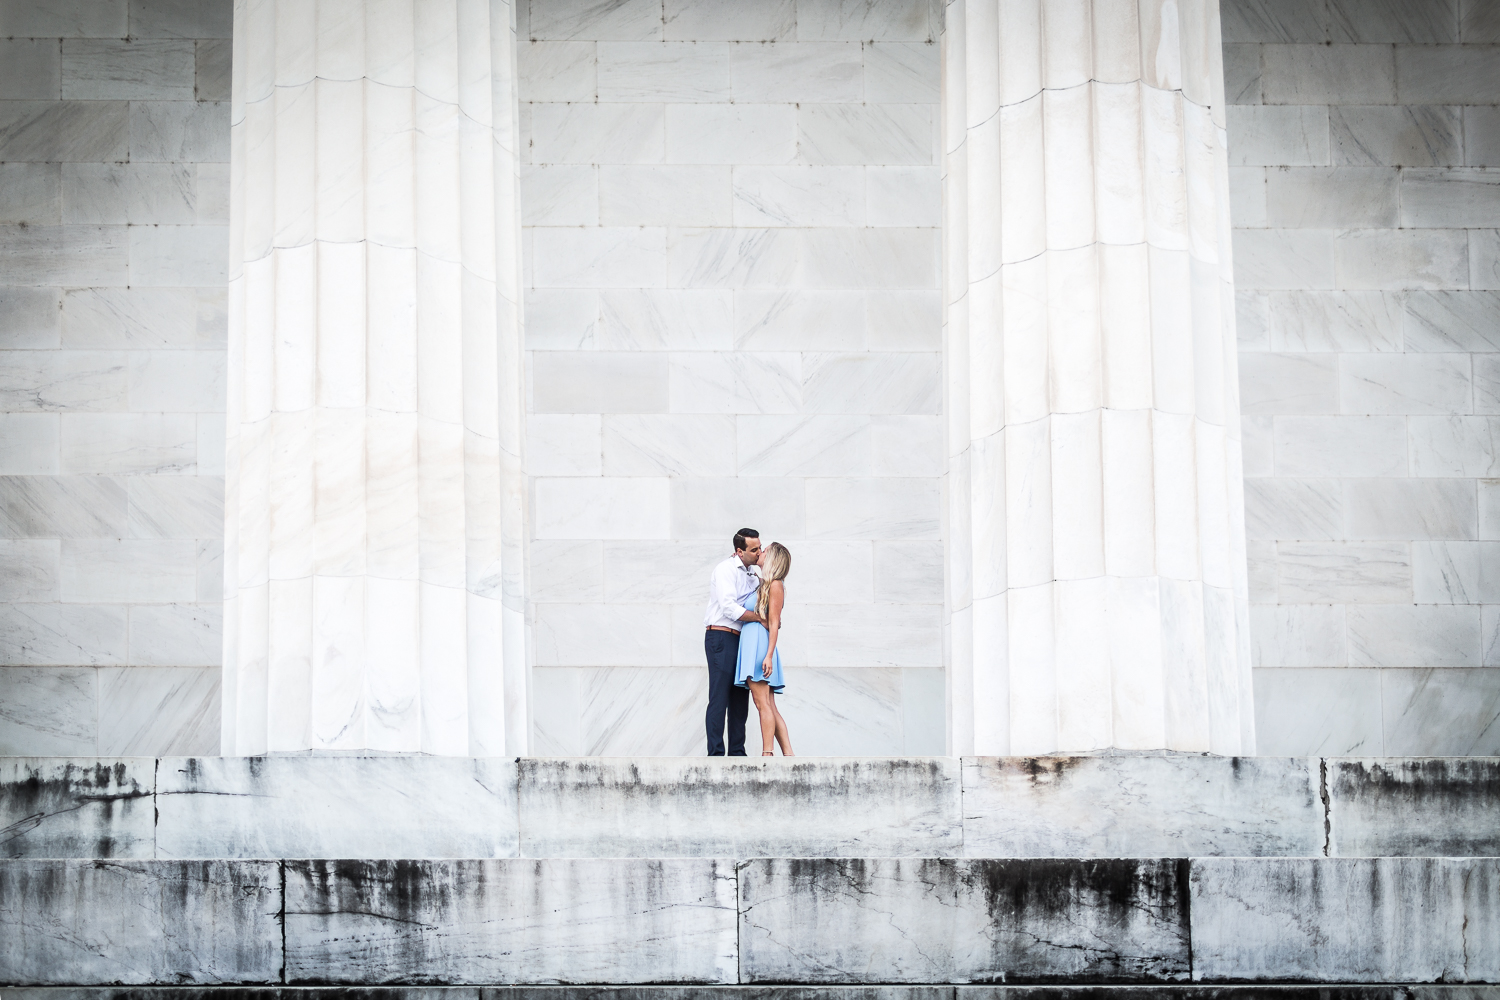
759 666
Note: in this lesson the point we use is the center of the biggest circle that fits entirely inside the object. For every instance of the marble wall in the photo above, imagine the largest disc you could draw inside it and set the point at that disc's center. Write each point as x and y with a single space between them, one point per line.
114 142
1367 258
732 319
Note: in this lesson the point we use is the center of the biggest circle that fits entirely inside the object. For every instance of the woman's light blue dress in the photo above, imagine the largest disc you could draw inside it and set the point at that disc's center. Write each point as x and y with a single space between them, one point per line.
754 638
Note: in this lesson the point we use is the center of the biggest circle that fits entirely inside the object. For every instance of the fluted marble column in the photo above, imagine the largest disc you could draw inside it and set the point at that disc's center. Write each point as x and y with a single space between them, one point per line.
1097 585
373 487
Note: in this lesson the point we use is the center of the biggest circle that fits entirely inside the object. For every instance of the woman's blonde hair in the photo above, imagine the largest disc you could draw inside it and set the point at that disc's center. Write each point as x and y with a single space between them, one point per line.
778 565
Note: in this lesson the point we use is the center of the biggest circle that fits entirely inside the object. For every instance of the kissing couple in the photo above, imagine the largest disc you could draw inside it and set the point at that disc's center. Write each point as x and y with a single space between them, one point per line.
746 593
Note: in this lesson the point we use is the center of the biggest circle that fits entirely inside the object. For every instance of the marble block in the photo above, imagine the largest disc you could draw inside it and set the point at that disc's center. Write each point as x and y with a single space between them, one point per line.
181 18
133 922
1419 806
924 920
158 710
48 710
137 70
342 807
829 807
554 921
69 18
63 131
1383 920
59 808
179 131
1328 74
1168 805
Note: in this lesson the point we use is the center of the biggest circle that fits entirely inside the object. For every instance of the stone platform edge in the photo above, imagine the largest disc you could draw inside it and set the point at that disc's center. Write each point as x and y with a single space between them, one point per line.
1334 991
1139 805
770 921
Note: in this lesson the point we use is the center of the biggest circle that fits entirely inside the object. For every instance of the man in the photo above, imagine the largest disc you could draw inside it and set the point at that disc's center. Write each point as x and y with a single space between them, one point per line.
732 582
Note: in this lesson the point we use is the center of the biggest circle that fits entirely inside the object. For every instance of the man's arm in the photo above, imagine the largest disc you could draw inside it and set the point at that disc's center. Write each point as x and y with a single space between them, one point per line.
723 594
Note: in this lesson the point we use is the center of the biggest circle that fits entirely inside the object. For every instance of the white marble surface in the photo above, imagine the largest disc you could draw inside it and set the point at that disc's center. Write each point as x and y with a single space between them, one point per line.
115 136
1455 712
733 220
1307 711
1164 806
346 807
828 189
1344 920
922 920
720 808
1098 594
138 922
1119 806
375 591
1377 198
522 921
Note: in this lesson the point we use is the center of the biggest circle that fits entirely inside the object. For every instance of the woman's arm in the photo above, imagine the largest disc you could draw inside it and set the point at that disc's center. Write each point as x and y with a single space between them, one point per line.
778 597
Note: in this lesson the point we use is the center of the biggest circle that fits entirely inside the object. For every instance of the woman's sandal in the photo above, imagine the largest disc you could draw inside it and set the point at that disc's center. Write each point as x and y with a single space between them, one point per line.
768 753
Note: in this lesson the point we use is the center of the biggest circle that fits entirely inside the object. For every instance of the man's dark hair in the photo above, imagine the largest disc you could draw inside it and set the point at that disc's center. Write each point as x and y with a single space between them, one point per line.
741 536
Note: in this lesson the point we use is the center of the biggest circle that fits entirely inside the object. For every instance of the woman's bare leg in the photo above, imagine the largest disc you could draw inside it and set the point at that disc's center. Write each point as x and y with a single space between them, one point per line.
765 708
783 734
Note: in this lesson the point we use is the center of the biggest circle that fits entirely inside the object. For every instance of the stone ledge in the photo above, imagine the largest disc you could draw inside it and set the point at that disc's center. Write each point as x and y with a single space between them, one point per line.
1142 805
1137 805
780 921
1333 991
803 807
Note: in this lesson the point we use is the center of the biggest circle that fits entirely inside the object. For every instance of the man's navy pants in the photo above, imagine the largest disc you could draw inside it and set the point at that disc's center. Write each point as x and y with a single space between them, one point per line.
723 650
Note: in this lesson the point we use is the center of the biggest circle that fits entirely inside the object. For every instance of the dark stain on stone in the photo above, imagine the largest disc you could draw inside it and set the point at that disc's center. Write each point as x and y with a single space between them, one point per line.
1415 806
82 810
1122 919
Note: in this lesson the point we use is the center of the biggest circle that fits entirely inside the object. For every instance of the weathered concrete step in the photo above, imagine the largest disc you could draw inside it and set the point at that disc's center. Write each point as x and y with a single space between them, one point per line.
1344 991
769 921
1166 805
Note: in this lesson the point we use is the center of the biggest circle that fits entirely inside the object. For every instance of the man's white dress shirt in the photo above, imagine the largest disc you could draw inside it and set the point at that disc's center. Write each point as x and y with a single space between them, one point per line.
732 581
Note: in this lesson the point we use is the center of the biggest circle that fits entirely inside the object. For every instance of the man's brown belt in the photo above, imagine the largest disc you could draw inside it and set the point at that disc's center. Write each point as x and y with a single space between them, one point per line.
721 628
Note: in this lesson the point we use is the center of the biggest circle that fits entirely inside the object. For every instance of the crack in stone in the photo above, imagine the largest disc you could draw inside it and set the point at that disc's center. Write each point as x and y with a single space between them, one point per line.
1327 806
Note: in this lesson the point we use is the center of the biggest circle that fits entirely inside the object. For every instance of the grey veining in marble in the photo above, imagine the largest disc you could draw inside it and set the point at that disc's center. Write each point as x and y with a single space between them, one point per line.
44 710
158 709
179 131
136 69
1178 805
339 807
923 920
1444 711
70 18
181 18
830 807
59 808
65 255
53 131
1419 806
176 506
72 921
1390 920
139 318
553 921
1274 21
78 381
1387 21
